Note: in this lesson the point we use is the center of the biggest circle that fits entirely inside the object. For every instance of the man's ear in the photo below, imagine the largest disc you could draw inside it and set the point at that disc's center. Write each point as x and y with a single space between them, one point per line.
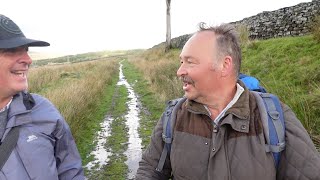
227 66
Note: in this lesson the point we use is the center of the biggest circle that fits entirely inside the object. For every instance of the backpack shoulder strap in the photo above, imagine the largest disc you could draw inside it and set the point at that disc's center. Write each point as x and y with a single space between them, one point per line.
8 144
273 123
28 100
11 139
168 121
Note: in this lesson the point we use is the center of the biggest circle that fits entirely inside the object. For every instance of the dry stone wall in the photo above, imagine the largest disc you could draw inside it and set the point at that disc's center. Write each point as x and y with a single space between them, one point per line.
287 21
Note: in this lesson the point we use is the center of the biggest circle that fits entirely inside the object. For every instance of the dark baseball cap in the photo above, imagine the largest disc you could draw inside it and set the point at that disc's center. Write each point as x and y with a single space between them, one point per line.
11 36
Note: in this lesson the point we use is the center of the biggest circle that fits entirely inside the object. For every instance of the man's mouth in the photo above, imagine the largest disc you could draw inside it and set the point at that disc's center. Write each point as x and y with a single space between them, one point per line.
20 73
186 81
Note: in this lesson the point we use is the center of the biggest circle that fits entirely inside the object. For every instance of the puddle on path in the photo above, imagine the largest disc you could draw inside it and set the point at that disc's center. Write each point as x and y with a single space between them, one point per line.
134 151
101 154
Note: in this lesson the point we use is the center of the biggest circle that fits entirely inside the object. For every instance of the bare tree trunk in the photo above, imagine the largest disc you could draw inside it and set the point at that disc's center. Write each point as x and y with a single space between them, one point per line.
168 36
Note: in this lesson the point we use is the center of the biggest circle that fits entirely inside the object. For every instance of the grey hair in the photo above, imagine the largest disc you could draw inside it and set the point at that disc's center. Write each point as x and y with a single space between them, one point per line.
227 39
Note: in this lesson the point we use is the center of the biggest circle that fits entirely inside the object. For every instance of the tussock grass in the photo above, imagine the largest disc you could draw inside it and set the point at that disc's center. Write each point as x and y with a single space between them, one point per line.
41 78
315 28
78 91
243 34
159 69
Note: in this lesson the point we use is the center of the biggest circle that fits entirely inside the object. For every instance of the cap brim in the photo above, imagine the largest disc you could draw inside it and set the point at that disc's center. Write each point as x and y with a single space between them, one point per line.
21 41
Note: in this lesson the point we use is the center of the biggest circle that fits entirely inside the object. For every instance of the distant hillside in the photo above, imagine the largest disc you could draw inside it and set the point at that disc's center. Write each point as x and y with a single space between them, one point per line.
41 60
39 55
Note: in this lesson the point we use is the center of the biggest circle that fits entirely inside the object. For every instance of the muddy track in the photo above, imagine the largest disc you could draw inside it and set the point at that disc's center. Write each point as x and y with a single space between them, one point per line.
118 145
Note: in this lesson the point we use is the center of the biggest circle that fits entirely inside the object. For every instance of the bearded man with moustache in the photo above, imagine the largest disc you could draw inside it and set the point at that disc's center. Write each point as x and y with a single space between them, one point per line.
218 131
45 148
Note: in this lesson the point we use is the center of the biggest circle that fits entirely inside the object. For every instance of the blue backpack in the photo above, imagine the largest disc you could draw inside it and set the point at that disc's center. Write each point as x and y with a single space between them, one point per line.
271 116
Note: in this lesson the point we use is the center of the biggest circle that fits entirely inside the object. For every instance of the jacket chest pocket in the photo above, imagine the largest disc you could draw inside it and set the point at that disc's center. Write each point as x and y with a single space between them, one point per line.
34 146
36 142
189 156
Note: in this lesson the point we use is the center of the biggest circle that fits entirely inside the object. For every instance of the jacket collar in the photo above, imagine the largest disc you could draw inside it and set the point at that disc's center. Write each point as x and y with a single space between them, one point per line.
237 116
18 114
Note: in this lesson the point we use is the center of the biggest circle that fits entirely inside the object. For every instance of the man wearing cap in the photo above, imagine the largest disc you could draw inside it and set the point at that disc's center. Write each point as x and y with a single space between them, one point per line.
45 148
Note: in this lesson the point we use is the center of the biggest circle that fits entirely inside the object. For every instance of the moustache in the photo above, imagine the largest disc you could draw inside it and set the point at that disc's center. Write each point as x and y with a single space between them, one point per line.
186 79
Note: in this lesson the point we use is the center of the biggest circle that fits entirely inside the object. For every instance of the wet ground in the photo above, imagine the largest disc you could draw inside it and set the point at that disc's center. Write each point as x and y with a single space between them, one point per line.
133 152
100 153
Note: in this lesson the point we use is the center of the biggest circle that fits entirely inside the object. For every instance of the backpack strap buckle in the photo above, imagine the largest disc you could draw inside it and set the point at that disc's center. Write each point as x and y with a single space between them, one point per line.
273 123
166 139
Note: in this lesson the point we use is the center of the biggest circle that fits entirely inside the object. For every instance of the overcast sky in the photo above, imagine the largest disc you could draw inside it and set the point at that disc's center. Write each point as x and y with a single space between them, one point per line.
79 26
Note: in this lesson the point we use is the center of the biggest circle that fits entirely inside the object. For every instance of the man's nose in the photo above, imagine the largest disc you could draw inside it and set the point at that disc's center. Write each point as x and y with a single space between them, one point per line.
25 58
181 71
